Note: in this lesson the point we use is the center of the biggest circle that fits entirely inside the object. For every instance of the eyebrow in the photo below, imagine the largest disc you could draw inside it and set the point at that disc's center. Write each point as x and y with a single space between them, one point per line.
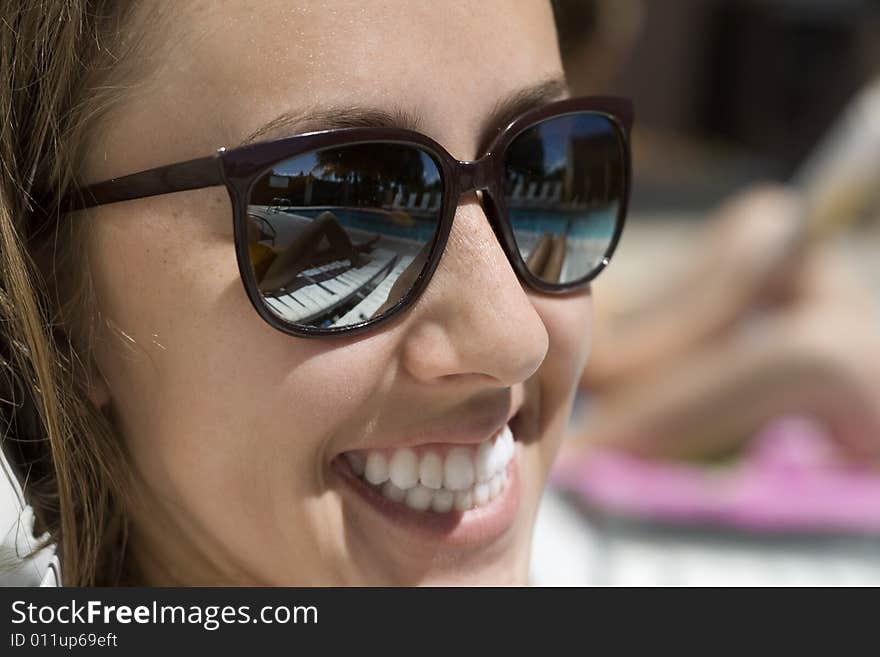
520 102
332 118
355 116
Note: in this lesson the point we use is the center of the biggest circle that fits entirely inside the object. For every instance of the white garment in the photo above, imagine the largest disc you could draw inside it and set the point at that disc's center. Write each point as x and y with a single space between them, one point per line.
17 539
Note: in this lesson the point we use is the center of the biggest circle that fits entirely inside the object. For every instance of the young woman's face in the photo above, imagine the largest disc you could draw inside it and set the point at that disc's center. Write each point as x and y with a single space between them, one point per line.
237 432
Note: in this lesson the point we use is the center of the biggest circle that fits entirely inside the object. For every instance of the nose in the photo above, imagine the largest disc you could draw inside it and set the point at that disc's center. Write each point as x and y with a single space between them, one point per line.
474 318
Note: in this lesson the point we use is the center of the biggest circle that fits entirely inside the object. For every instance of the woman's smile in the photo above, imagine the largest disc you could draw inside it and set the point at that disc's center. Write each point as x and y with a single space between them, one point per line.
457 493
454 484
455 513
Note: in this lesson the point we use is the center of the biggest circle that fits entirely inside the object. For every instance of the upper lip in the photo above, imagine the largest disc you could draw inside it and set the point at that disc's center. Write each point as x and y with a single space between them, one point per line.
463 430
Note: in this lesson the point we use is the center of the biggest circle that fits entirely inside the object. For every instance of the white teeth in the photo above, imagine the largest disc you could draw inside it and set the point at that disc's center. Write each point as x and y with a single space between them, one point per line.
431 471
464 500
443 501
508 445
502 451
469 476
483 461
481 494
495 486
356 462
458 469
419 498
376 469
403 469
392 492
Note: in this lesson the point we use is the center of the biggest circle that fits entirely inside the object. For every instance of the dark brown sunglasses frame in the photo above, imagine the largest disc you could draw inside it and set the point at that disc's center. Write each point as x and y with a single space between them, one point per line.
240 168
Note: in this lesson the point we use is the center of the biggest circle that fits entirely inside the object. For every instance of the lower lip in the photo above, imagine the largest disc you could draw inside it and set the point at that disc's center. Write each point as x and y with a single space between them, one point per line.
467 529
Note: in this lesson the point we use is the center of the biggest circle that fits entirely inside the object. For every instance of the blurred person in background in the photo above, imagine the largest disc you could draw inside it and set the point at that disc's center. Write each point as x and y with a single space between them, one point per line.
754 319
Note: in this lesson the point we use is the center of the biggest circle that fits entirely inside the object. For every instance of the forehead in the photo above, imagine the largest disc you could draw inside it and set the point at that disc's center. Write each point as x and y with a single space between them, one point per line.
219 71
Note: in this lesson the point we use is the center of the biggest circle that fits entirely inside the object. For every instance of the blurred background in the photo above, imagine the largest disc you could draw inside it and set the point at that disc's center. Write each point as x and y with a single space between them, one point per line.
727 430
727 92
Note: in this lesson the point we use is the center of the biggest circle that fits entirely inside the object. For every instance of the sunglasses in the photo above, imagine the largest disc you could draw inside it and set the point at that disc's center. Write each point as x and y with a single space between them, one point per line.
339 231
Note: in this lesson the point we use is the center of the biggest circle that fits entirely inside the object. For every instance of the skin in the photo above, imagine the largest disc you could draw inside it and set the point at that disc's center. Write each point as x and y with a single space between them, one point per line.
231 425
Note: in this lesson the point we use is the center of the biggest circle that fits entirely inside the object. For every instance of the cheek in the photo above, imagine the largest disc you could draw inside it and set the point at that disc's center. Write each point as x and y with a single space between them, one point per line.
569 322
160 276
199 380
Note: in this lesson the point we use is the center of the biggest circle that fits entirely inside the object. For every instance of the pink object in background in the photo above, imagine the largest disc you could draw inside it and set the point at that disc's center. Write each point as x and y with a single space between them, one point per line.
789 480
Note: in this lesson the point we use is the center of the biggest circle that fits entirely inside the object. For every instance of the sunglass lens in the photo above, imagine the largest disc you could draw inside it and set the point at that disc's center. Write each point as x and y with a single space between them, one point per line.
565 190
337 237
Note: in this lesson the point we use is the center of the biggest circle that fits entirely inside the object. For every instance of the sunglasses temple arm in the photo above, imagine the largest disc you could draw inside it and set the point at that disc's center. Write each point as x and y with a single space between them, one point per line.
182 176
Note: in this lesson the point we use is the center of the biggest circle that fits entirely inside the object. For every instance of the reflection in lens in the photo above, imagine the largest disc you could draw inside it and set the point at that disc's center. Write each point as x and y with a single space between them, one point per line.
564 186
337 237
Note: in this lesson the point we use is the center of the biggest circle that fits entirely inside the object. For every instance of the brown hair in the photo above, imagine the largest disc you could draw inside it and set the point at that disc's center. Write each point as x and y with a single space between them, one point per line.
60 62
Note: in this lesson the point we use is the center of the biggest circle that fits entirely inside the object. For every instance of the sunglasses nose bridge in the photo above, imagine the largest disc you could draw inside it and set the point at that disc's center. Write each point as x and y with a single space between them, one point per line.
473 175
